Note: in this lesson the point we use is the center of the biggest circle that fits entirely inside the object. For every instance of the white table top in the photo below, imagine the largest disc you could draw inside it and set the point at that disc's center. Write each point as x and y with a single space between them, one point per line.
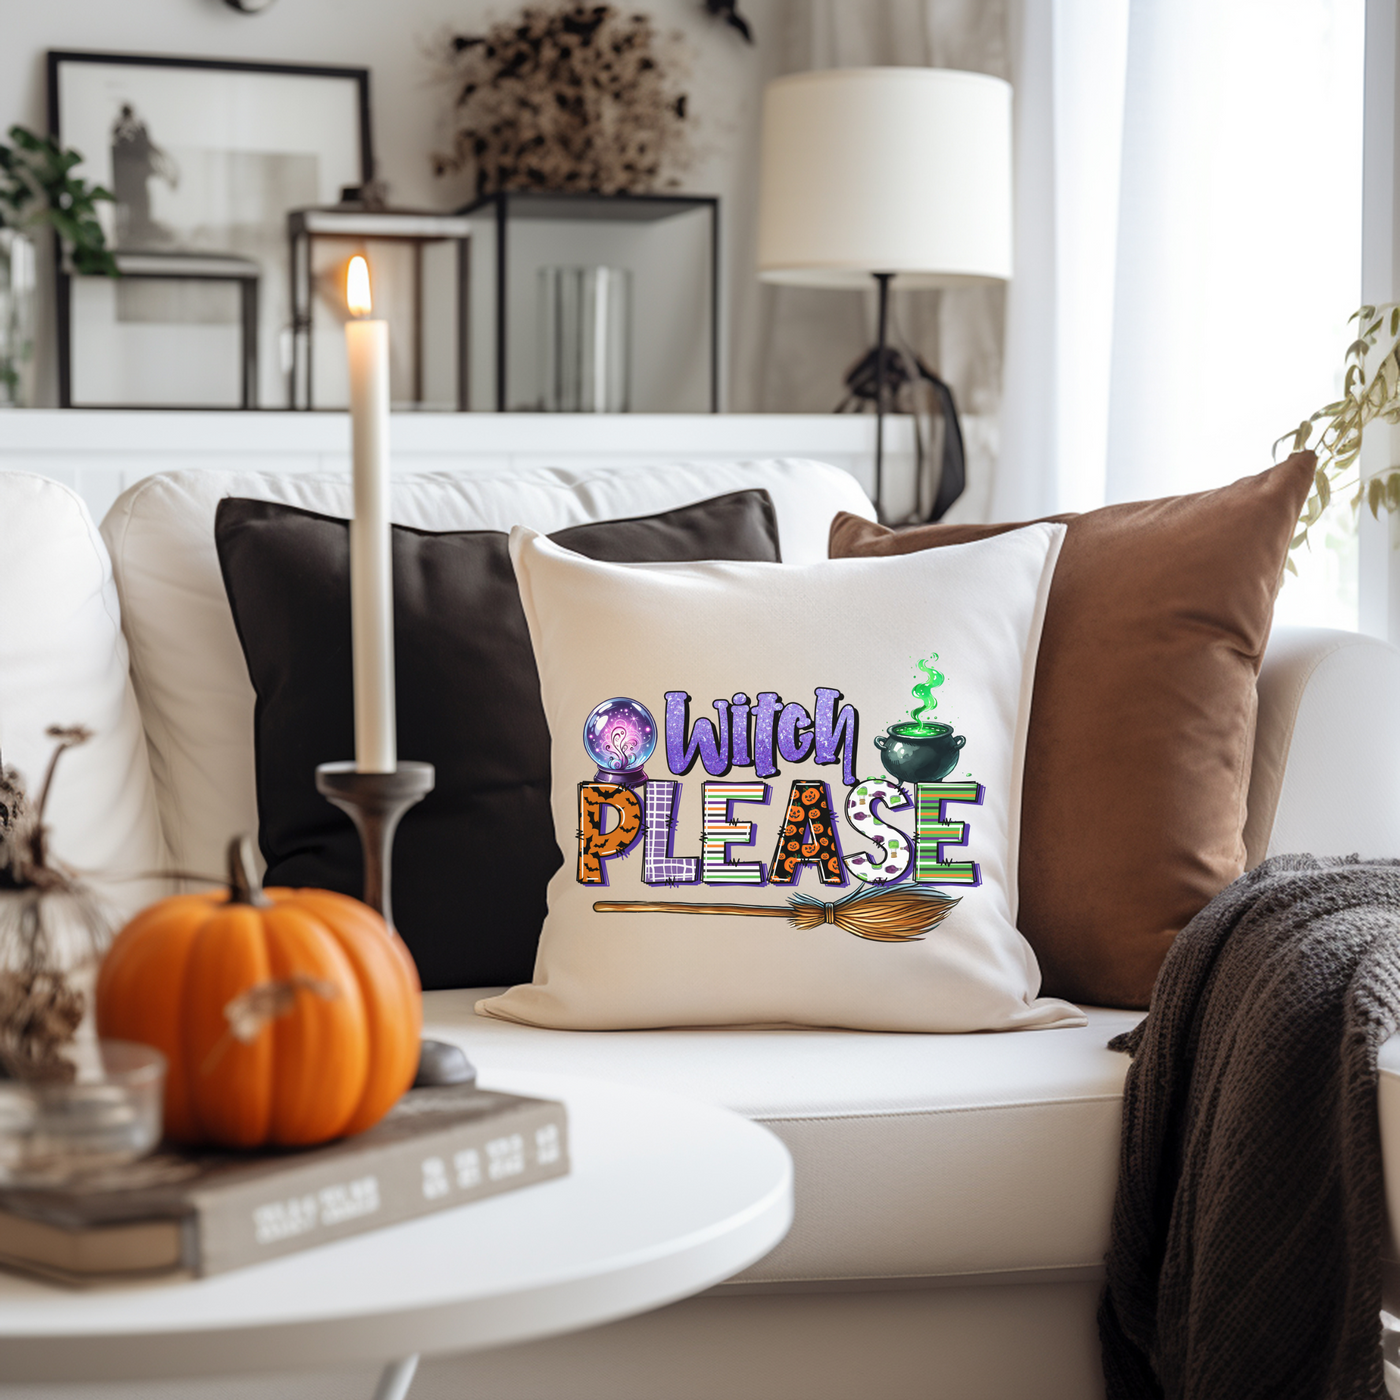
666 1197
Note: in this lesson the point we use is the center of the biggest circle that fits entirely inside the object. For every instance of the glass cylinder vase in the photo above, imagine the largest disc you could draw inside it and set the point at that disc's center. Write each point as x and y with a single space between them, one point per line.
18 293
585 339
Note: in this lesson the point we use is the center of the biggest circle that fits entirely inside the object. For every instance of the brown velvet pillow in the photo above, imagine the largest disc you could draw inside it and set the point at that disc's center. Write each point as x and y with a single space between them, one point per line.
1142 722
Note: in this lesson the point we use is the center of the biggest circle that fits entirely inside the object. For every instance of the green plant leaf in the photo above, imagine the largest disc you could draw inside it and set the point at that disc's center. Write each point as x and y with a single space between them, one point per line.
37 186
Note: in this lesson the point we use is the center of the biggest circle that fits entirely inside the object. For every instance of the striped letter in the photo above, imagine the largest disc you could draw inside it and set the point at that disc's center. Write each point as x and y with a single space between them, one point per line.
721 831
934 831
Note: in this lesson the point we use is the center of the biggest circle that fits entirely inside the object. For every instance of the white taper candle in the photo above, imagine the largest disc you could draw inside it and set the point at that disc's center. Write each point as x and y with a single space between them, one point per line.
371 561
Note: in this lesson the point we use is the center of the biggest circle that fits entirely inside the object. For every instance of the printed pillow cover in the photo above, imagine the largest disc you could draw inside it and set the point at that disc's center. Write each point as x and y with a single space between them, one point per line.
786 798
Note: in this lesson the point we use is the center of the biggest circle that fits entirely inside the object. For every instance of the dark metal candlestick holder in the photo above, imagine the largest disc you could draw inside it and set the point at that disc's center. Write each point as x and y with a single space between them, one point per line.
376 802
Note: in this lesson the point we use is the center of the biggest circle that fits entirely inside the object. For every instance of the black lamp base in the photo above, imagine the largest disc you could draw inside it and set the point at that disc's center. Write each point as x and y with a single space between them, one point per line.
376 802
878 377
883 281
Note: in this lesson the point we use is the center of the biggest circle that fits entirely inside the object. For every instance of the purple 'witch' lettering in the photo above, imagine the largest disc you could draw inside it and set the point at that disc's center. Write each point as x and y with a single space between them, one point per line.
766 707
755 733
794 733
702 742
837 732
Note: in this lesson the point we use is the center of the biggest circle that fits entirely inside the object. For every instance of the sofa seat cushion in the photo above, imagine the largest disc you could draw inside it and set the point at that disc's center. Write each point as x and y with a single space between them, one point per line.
916 1156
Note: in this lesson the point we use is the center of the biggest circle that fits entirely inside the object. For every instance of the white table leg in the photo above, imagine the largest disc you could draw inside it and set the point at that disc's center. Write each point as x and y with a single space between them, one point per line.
395 1379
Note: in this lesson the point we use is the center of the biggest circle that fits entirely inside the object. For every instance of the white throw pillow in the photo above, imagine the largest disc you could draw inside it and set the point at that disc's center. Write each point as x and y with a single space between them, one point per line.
191 679
63 660
724 740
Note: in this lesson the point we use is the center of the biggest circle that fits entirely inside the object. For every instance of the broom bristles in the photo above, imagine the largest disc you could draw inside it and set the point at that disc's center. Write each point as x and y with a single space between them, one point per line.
883 914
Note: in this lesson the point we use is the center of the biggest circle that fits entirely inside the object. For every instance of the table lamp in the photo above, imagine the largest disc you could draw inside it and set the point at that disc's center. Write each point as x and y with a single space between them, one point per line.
886 173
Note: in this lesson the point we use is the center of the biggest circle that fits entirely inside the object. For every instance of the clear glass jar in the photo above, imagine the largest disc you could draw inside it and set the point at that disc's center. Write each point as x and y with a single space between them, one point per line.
18 295
586 339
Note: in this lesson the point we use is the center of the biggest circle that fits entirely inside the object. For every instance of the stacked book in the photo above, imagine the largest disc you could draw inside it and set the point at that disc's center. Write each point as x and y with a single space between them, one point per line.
201 1213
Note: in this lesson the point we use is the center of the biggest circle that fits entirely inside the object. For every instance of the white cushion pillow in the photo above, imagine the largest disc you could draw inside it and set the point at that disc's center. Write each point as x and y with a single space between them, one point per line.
190 675
717 740
63 660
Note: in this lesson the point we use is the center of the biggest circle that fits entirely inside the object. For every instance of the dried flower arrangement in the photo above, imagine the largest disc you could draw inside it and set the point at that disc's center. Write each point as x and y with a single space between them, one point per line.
581 98
52 927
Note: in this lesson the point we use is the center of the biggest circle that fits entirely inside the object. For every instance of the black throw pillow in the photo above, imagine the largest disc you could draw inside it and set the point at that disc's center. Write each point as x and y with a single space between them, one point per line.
472 860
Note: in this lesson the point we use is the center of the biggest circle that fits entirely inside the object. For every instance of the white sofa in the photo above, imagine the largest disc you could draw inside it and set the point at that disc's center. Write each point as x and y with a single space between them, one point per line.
953 1192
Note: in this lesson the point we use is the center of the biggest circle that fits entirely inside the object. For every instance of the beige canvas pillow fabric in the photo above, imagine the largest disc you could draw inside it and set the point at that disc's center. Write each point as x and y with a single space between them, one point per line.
769 779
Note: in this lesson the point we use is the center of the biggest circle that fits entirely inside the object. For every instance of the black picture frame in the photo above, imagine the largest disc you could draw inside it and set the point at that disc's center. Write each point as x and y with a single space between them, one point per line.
57 60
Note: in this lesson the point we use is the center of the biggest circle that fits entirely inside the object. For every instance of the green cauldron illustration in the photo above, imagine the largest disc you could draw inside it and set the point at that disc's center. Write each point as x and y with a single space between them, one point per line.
920 753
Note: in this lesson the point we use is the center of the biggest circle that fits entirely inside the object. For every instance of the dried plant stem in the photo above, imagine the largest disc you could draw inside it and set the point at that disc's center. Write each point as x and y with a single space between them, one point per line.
52 926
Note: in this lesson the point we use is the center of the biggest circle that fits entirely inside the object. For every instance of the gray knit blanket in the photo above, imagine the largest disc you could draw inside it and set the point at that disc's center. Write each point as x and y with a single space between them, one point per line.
1244 1259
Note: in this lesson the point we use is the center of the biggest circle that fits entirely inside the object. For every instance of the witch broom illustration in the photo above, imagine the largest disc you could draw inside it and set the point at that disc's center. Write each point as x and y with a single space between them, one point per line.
883 914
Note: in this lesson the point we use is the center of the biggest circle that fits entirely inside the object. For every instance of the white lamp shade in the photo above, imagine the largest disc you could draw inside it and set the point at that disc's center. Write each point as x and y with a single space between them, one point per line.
901 170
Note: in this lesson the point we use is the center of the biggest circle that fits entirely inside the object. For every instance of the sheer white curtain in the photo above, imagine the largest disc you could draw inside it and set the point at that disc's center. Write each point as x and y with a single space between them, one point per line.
1189 247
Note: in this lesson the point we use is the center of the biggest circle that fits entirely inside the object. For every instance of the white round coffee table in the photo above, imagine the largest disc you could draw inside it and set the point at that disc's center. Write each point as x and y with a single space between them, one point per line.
666 1196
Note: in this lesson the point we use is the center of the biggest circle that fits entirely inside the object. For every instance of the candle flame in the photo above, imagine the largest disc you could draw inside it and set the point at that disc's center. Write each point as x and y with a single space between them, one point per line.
357 287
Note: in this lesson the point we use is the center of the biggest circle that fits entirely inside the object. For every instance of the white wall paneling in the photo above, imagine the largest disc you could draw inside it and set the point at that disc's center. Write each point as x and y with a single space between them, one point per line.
100 454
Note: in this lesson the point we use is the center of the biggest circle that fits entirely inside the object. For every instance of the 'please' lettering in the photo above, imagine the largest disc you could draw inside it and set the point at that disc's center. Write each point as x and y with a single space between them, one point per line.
612 819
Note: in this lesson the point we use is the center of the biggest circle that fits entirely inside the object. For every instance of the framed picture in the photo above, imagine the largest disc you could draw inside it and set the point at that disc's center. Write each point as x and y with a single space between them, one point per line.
205 158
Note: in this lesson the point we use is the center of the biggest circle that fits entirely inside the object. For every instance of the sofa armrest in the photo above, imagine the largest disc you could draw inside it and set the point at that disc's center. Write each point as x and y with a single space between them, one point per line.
1326 775
1326 780
1388 1103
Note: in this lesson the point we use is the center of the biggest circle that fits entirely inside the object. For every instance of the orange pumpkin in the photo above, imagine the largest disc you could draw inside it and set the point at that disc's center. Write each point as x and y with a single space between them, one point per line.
288 1017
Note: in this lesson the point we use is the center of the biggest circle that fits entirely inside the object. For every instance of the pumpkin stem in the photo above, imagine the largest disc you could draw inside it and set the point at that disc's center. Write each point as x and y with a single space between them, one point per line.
244 886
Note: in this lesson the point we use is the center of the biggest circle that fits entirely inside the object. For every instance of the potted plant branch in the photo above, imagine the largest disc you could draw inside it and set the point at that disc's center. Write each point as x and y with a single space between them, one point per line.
1370 391
38 187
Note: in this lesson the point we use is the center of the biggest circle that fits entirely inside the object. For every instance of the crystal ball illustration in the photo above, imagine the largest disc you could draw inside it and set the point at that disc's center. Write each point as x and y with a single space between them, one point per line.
620 735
